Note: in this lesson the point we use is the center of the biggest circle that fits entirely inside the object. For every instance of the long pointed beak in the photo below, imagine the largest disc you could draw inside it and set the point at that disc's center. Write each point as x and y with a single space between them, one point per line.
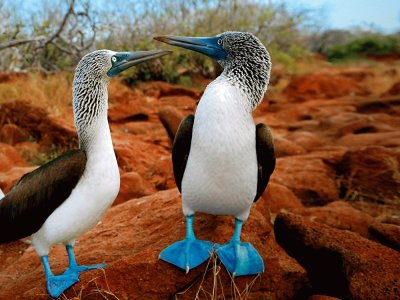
205 45
129 59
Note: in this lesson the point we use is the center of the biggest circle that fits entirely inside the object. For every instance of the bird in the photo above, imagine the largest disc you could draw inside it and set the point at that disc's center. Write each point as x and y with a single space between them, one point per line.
222 161
64 198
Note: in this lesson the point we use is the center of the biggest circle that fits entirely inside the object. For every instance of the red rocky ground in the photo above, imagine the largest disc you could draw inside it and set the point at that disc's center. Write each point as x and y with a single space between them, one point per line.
328 225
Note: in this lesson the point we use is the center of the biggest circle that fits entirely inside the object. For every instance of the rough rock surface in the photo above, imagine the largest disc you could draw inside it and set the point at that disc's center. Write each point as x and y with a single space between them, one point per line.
387 234
336 131
130 238
340 263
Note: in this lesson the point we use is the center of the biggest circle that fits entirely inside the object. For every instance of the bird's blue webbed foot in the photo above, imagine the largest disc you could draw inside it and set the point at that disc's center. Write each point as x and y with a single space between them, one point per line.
188 253
74 268
57 284
238 257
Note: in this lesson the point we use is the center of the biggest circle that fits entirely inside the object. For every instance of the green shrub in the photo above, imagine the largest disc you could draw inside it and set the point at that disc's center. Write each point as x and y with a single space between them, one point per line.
364 47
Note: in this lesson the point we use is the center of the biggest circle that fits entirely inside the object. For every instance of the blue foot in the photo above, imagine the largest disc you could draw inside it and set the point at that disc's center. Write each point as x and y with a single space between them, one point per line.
78 269
240 258
73 267
57 284
188 253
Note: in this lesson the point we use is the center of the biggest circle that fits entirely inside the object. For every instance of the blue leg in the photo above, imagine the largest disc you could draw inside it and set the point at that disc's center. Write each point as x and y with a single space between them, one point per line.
188 253
240 258
57 284
73 267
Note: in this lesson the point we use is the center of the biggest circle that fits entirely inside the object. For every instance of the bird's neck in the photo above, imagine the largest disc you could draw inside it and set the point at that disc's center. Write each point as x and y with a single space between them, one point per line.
251 77
90 113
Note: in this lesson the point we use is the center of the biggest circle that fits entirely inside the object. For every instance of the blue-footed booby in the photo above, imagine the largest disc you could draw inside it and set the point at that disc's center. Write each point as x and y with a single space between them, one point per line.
66 197
222 161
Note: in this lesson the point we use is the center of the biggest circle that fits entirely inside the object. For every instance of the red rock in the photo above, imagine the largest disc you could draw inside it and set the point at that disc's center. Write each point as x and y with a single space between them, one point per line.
306 86
170 117
12 134
386 139
340 263
10 158
305 139
341 215
138 128
49 131
331 155
370 174
309 178
285 147
185 104
12 76
133 186
127 113
386 234
394 89
322 297
358 74
160 89
149 159
130 238
278 197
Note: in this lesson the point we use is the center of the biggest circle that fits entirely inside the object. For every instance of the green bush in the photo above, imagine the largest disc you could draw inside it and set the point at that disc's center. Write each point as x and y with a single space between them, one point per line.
364 47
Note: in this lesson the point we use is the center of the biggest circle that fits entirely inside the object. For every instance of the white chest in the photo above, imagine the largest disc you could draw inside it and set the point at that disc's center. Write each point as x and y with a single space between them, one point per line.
221 172
89 200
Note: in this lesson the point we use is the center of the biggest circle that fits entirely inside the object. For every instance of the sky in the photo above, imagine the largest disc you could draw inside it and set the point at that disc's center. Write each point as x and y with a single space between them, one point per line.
383 15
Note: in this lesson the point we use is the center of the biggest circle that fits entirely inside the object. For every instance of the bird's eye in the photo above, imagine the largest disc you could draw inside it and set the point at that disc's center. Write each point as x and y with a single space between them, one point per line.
113 59
219 42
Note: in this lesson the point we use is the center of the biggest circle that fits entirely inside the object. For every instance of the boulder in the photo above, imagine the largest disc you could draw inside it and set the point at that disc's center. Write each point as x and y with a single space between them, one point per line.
278 197
341 215
10 158
130 238
386 234
160 89
385 139
133 186
371 174
285 147
309 178
340 263
305 139
170 117
303 87
48 131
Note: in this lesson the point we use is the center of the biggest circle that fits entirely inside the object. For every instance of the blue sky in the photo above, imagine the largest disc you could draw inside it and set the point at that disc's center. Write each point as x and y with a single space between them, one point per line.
382 14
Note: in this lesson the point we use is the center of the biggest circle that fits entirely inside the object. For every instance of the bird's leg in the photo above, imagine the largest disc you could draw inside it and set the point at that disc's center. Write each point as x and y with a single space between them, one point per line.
73 267
238 257
57 284
188 253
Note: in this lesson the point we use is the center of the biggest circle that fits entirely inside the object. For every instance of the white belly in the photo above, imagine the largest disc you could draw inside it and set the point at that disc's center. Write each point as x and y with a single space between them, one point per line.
89 200
221 172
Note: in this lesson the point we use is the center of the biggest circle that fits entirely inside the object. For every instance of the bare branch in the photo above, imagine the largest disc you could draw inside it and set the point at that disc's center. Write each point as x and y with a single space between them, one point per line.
62 24
15 43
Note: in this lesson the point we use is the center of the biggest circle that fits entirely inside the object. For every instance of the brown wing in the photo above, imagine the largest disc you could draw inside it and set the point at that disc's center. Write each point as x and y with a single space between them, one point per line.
181 148
265 157
37 194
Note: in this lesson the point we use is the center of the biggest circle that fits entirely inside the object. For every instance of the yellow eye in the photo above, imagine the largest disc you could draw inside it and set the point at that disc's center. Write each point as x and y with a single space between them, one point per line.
113 59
